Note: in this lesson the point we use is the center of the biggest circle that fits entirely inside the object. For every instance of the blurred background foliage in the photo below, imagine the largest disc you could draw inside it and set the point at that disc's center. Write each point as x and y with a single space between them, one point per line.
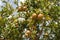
29 19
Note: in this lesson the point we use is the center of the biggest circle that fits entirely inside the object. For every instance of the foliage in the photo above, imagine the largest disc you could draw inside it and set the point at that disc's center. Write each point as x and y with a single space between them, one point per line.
34 20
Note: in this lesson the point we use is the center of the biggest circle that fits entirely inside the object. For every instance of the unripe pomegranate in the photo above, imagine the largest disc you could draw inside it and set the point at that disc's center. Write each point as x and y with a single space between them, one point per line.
34 16
28 31
24 8
40 16
20 8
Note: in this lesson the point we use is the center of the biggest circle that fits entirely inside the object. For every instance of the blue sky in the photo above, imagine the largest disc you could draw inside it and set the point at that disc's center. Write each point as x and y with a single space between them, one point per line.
11 3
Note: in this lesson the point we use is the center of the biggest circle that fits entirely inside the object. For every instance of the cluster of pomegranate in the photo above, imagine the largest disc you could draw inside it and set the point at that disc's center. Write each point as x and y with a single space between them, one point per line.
22 8
39 16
